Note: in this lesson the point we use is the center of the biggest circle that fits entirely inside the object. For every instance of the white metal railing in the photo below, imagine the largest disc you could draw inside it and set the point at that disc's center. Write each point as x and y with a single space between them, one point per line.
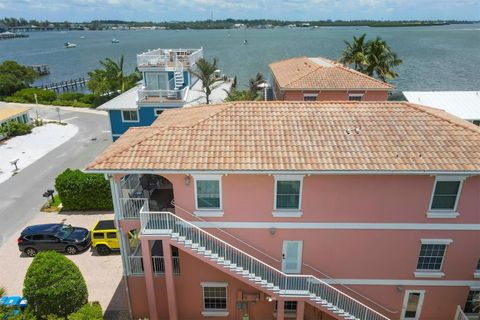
130 207
135 265
144 94
130 182
459 315
285 284
167 57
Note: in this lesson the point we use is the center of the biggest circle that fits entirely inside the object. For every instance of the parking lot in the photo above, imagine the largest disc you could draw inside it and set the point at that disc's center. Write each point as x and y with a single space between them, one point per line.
103 274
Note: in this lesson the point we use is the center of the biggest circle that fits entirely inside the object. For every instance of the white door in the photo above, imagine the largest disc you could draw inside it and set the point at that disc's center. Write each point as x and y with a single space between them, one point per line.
412 304
292 256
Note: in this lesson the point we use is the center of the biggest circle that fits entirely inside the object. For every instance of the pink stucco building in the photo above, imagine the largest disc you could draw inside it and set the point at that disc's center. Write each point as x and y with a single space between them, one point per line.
279 210
321 79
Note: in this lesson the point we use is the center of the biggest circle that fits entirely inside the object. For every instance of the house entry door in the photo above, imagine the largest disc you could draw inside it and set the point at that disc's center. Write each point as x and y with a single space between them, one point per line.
292 256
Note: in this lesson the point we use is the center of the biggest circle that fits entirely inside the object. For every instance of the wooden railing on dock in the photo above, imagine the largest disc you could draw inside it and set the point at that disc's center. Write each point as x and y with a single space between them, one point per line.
66 85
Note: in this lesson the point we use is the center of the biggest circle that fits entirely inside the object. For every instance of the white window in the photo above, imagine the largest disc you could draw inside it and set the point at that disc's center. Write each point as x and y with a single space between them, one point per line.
158 112
476 274
431 256
208 195
310 97
130 115
445 195
412 304
355 96
289 308
288 196
473 295
214 299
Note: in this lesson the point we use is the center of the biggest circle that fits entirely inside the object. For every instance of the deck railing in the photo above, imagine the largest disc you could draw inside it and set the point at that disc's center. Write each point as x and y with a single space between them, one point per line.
308 286
459 315
167 58
130 207
135 265
145 94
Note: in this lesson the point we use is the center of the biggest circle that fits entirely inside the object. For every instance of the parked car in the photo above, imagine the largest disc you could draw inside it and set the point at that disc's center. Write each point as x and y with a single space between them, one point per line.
14 306
105 238
53 236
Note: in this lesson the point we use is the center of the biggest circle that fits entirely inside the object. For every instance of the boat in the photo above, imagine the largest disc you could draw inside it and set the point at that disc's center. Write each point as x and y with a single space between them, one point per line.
115 40
69 45
82 37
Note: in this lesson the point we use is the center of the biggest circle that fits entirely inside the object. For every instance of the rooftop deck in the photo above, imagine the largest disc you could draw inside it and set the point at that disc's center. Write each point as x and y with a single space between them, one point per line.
169 59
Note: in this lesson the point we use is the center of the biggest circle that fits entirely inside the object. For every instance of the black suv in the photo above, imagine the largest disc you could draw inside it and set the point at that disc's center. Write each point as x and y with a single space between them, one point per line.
53 236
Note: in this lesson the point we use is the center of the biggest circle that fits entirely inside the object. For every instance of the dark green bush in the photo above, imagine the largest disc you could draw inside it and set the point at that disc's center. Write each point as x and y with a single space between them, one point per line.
88 99
28 95
90 311
70 96
13 128
54 285
82 191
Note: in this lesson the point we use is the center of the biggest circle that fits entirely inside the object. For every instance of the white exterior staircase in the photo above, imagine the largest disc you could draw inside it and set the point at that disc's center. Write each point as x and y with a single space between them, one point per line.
254 271
178 75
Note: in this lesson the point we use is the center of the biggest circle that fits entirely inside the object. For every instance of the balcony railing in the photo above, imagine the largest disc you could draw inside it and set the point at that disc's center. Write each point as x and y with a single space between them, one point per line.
146 95
169 58
310 287
459 315
130 207
135 265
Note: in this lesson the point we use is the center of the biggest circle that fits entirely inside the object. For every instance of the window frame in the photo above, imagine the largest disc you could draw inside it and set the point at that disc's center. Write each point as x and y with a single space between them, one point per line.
288 212
129 110
214 312
432 273
476 273
445 213
419 306
356 95
208 212
310 95
474 289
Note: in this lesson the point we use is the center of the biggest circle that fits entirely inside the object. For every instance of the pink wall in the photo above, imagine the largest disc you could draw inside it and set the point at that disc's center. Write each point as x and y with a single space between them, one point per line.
334 95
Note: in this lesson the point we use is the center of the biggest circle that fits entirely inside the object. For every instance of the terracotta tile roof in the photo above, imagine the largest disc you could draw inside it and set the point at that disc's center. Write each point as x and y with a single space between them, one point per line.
322 74
299 136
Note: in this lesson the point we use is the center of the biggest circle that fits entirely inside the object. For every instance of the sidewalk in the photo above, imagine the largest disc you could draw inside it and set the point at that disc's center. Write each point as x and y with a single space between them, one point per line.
46 106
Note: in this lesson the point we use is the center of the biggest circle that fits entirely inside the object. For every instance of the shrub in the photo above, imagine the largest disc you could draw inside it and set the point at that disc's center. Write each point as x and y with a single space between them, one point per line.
82 191
88 99
28 95
90 311
70 96
54 286
13 128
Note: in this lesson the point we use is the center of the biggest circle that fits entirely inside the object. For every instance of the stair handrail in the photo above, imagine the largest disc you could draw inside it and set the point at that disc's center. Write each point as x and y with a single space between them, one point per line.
277 260
143 213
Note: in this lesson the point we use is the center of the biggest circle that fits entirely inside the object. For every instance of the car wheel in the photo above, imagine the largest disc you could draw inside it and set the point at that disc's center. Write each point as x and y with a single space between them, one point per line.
31 252
71 250
103 250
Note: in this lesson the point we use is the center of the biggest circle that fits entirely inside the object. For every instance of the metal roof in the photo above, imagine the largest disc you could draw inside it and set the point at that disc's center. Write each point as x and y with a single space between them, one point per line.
125 101
463 104
9 112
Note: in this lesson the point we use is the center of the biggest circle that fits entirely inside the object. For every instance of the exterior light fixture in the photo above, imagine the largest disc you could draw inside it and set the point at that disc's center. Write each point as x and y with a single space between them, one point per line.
273 230
187 179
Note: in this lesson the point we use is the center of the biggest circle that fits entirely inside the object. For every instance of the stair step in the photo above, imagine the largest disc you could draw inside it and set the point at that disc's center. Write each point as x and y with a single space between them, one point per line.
207 252
181 239
214 256
194 245
174 235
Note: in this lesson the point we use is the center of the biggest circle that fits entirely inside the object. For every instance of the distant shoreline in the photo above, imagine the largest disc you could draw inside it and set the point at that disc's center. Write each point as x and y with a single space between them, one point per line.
34 25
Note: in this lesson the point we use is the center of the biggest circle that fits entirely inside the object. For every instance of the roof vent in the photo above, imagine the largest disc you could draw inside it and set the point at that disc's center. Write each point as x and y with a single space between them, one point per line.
348 131
357 130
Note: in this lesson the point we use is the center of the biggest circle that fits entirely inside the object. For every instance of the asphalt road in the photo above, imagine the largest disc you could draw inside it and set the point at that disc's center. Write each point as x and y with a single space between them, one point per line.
21 195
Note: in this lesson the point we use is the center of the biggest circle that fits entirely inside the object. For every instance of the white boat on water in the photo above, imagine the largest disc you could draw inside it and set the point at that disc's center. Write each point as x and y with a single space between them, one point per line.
115 40
82 37
69 45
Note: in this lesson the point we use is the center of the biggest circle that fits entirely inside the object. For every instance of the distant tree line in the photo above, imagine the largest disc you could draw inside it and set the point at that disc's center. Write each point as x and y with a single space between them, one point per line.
223 24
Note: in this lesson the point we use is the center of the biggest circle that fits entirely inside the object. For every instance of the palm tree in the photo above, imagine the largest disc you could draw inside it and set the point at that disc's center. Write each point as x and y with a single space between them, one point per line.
355 52
381 60
206 73
254 84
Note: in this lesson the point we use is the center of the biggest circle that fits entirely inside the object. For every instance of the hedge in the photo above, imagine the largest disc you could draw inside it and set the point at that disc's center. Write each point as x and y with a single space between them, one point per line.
81 191
13 128
28 95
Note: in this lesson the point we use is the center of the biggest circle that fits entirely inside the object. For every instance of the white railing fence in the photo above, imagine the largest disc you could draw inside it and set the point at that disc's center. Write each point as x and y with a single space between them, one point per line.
130 207
135 265
459 315
164 57
165 94
277 281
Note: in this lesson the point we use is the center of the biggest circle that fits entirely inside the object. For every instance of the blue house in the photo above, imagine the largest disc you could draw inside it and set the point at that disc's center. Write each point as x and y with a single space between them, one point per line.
167 79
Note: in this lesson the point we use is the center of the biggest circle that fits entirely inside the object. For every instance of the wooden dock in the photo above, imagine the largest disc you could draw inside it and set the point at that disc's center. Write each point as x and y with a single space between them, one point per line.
68 85
41 69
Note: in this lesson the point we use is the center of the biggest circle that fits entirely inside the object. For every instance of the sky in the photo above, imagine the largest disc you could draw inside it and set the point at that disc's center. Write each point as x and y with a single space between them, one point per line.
187 10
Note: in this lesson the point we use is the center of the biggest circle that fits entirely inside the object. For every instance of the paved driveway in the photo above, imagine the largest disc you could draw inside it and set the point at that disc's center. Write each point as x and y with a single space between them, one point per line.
21 195
103 274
